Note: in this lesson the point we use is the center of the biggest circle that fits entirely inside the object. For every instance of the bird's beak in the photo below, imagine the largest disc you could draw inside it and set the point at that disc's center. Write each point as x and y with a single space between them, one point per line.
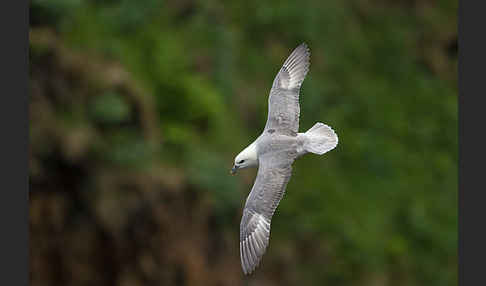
233 170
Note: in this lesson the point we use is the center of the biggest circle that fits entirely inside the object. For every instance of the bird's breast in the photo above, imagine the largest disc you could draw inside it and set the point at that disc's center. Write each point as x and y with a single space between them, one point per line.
275 142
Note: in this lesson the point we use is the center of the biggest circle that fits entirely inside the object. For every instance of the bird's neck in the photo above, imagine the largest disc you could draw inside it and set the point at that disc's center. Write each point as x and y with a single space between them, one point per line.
251 152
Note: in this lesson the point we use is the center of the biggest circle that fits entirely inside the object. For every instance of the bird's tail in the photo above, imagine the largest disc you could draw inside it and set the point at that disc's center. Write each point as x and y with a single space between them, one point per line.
320 139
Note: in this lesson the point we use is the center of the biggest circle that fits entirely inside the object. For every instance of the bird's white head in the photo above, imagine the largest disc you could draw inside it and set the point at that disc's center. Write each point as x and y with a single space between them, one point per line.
247 158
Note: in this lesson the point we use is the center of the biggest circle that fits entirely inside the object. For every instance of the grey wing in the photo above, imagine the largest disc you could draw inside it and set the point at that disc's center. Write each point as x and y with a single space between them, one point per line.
274 173
283 102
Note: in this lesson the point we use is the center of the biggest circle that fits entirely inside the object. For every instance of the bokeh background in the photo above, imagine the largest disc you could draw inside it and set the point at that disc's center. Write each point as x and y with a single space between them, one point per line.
137 109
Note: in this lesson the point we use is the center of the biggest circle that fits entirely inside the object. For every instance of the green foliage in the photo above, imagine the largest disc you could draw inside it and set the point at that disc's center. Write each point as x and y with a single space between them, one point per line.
110 108
382 206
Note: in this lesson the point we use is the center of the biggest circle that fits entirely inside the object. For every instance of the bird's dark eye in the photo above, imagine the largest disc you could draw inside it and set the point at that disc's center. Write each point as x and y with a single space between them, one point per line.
241 162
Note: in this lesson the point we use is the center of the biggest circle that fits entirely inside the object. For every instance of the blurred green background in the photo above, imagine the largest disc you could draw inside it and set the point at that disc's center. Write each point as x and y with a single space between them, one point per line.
139 107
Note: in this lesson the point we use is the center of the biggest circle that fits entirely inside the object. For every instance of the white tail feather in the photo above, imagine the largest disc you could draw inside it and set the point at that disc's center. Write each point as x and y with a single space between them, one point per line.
320 139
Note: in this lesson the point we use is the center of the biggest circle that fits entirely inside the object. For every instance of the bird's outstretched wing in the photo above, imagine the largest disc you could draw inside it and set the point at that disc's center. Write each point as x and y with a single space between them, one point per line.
283 102
274 173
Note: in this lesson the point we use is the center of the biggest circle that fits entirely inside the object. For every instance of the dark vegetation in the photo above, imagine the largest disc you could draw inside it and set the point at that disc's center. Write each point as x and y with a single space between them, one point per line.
138 108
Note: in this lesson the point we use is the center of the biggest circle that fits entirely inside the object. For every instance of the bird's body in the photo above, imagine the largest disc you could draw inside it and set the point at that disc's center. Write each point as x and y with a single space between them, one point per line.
273 152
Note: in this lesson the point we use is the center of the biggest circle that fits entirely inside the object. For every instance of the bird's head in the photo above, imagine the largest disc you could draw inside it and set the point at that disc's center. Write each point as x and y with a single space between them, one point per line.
246 158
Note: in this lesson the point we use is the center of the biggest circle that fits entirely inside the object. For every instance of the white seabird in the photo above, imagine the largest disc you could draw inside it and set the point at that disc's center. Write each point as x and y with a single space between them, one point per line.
273 152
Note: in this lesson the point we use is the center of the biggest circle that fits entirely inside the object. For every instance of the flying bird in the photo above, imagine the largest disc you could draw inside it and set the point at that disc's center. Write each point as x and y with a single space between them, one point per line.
273 152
